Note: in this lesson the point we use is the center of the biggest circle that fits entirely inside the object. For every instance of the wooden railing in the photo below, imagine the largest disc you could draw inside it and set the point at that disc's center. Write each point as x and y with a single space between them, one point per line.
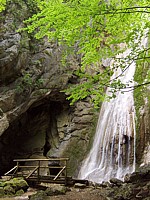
31 169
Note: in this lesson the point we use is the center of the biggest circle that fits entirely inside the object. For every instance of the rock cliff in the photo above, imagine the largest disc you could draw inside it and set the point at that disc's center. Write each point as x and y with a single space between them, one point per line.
142 104
35 117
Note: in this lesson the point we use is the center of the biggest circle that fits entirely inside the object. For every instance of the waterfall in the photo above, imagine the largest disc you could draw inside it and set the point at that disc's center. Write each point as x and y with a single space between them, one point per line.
113 151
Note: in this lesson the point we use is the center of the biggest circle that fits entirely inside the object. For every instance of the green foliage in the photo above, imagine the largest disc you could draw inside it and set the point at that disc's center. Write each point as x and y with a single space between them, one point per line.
82 90
2 5
96 25
95 28
33 5
141 77
141 98
27 83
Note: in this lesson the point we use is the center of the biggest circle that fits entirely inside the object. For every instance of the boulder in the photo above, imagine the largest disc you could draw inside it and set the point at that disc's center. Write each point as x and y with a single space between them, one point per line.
18 184
80 185
8 190
116 181
55 189
40 195
13 187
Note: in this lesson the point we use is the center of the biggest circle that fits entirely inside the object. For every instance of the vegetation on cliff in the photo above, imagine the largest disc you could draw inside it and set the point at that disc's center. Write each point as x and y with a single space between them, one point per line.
92 30
2 5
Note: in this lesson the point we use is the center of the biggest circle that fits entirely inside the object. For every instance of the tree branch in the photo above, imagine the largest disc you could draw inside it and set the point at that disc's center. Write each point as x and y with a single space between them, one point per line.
134 87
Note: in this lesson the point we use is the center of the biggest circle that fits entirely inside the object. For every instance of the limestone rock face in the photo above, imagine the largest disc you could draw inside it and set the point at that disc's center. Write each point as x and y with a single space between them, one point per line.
142 103
4 124
13 52
35 117
145 133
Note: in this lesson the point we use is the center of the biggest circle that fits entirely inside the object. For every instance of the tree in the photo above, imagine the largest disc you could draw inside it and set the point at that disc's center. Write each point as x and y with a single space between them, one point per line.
2 5
96 28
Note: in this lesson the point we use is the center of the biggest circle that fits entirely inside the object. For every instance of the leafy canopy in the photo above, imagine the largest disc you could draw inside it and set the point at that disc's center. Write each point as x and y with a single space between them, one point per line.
2 5
93 29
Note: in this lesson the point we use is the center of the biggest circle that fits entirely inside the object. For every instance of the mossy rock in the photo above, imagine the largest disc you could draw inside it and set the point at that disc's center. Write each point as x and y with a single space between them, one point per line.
56 190
9 191
2 192
2 184
18 184
19 192
40 195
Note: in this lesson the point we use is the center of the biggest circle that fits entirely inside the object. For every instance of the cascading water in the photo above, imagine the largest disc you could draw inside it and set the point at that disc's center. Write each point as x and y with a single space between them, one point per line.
113 151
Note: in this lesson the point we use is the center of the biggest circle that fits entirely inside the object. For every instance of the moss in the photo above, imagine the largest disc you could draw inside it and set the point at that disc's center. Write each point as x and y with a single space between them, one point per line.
9 191
93 129
2 184
79 147
2 192
140 93
17 184
19 192
13 187
56 190
74 152
40 195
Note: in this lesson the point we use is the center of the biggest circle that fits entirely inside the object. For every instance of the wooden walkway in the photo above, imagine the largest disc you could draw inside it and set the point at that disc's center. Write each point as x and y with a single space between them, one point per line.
52 170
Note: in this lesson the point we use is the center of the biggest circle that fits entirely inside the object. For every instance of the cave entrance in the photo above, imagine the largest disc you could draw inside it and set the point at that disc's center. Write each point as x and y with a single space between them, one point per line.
34 133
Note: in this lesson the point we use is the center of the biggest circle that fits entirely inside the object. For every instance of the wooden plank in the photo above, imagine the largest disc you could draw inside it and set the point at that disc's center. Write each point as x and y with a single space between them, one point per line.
16 169
28 166
10 170
55 167
38 171
32 172
59 173
44 159
33 166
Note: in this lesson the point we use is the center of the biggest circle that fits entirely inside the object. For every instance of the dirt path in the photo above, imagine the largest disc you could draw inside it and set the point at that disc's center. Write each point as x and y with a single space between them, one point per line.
73 194
79 194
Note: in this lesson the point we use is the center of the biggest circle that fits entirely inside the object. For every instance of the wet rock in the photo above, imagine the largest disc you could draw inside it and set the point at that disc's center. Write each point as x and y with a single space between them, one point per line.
40 195
136 186
54 189
148 185
116 181
143 174
106 184
143 193
80 185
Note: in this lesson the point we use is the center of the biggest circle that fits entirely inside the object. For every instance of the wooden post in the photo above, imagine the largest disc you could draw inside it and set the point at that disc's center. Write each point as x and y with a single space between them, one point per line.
17 165
10 170
38 170
66 172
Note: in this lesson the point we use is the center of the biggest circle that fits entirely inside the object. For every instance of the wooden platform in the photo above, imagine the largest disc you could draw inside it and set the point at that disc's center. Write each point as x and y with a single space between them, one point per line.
32 171
52 170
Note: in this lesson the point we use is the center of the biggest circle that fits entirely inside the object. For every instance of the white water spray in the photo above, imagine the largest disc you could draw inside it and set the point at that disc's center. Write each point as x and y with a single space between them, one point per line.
113 151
